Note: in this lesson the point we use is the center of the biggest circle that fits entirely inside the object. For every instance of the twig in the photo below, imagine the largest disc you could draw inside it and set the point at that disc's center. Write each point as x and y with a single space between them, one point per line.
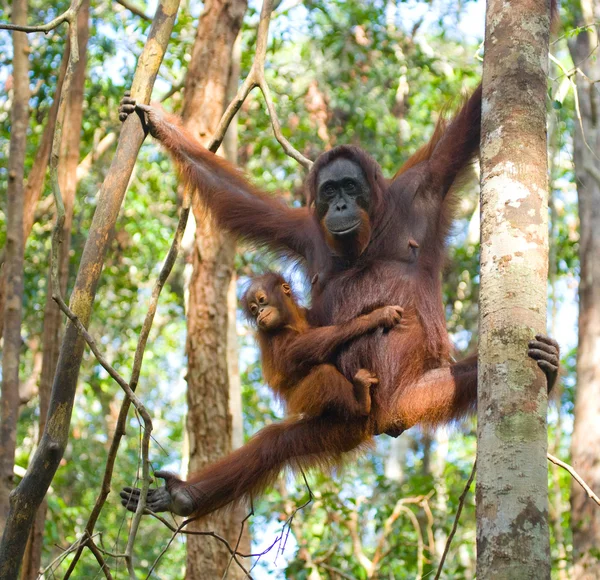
67 16
138 358
420 543
461 502
180 529
575 476
237 544
99 558
357 548
137 365
339 572
399 508
256 78
134 9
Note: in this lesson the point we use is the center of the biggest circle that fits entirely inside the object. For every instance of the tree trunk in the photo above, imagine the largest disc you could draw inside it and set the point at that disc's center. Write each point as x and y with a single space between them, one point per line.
585 515
51 334
9 401
28 495
512 473
209 421
35 178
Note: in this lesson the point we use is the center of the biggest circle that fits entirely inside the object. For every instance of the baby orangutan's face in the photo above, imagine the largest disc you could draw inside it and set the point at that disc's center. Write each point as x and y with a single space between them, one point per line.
268 308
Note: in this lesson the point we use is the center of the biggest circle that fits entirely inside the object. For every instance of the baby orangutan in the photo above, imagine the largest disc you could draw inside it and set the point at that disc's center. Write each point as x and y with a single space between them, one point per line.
321 403
296 359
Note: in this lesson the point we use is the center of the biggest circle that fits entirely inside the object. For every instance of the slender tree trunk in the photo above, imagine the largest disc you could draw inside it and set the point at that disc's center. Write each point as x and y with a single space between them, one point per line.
28 495
209 421
512 473
53 318
9 400
585 443
35 178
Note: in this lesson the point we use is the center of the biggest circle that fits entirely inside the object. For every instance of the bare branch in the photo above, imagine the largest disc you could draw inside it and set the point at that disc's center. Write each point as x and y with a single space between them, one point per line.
180 529
461 502
134 9
575 476
256 78
125 405
66 16
99 558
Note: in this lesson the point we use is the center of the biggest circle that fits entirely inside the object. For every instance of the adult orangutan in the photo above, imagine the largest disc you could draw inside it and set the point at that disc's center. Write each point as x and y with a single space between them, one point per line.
367 242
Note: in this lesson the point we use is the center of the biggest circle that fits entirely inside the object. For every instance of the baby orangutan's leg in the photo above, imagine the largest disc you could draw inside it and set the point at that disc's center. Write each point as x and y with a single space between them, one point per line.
325 389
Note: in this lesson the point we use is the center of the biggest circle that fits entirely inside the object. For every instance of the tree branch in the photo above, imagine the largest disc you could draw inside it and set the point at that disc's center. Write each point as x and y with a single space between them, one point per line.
134 9
66 16
256 78
461 503
576 477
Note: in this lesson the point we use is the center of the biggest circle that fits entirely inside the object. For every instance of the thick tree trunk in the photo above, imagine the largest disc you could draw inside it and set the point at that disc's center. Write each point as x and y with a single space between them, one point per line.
209 421
9 401
53 318
512 473
585 443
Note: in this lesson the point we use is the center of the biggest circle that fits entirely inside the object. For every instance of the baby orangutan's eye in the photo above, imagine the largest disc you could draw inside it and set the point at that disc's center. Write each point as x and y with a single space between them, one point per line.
253 309
262 300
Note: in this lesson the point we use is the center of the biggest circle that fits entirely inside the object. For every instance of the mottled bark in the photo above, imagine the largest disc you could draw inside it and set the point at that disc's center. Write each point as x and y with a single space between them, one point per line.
585 443
209 421
512 497
53 321
29 494
9 400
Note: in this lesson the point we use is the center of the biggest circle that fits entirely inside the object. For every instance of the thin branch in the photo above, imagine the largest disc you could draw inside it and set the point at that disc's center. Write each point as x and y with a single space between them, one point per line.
99 558
357 548
237 544
180 529
400 507
66 16
256 78
134 9
337 571
461 502
125 405
420 542
576 477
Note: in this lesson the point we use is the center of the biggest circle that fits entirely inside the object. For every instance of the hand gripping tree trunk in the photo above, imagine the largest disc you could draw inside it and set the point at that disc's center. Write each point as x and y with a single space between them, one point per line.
512 499
29 494
585 515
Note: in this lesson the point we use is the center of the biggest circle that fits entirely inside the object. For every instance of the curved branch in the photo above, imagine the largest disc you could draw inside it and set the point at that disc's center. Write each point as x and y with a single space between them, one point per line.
256 78
66 16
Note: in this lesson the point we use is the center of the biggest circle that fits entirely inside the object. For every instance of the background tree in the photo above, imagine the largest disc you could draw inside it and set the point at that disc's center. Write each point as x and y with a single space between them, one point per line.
209 420
586 430
9 400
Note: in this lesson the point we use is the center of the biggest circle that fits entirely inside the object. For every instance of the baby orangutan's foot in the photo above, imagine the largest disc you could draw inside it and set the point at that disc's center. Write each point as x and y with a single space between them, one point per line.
363 380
